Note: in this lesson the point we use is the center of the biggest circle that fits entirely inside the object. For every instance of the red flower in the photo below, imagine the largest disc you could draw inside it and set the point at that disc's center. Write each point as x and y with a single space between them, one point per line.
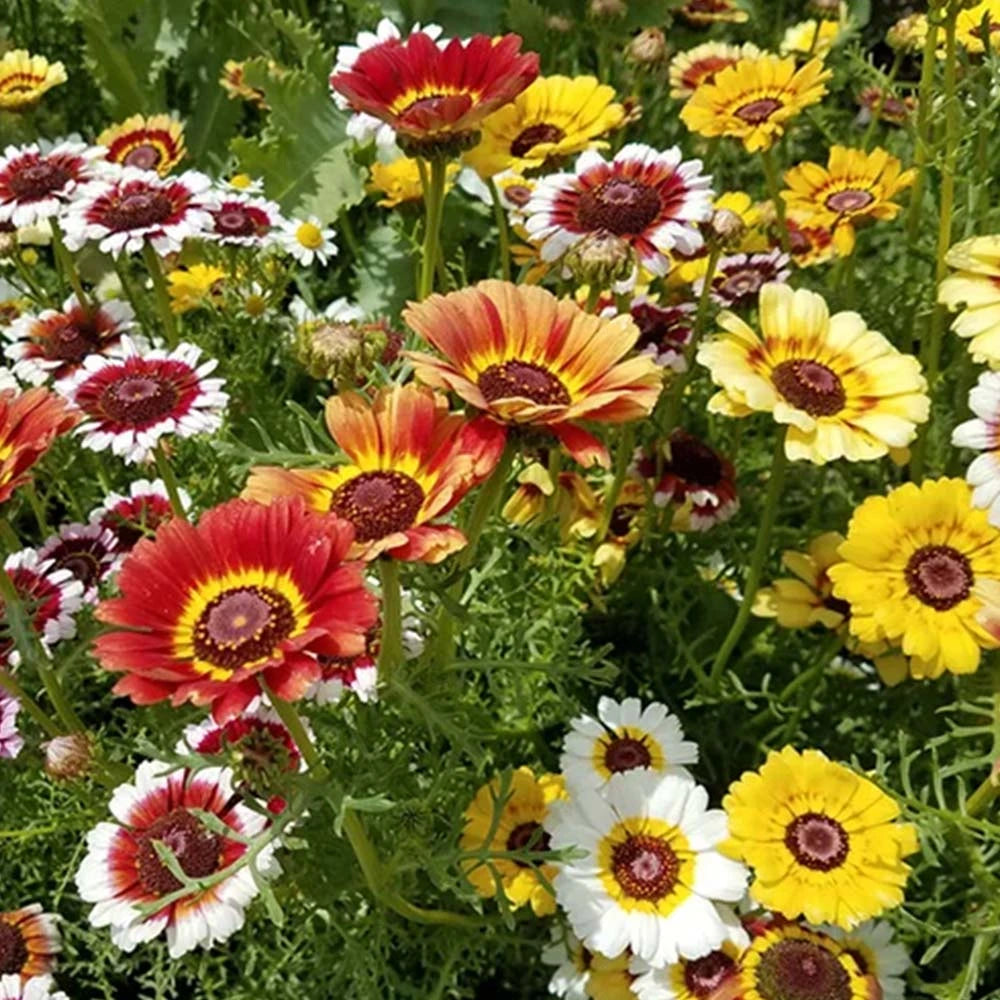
29 421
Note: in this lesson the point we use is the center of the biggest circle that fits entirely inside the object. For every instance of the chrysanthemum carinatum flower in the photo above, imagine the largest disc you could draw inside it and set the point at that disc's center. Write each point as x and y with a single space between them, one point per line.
431 94
530 359
755 99
306 240
843 390
821 840
508 815
690 69
24 78
650 199
910 566
251 593
708 976
854 185
878 955
410 462
242 220
55 342
123 872
148 143
623 737
11 741
706 12
555 117
975 290
130 402
29 942
35 988
652 876
29 422
138 208
88 551
738 278
983 434
138 514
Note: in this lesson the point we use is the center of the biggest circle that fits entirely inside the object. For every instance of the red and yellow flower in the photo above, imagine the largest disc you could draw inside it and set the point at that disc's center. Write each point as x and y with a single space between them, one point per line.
29 422
153 143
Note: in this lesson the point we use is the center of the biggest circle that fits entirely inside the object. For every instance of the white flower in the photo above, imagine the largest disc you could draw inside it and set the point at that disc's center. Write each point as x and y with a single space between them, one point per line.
983 434
651 876
872 946
306 240
35 988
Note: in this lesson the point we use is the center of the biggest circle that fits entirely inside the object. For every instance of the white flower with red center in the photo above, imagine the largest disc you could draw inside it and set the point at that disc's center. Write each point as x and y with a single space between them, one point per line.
650 199
983 435
35 988
242 220
306 240
11 740
123 874
738 279
138 514
129 403
38 180
88 551
664 331
138 207
55 342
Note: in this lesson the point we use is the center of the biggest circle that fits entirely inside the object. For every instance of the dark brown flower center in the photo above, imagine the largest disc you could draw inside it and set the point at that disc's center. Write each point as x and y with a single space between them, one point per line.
35 181
528 837
693 461
625 753
817 842
645 867
242 626
851 200
71 340
619 206
378 503
533 136
13 950
234 221
138 399
145 157
522 380
802 970
939 575
756 112
196 848
810 386
703 976
138 210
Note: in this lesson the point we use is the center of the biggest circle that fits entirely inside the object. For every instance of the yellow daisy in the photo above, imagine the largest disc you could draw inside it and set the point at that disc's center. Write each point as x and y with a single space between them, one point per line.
822 841
910 565
24 78
810 38
976 286
400 181
843 390
690 69
153 143
195 286
554 118
970 24
754 99
853 185
508 816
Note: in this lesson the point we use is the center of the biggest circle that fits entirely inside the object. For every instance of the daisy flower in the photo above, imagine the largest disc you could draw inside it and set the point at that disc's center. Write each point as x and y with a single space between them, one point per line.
651 875
910 567
690 69
974 290
148 143
664 331
708 976
88 551
650 199
755 99
983 434
842 390
410 461
510 816
707 12
306 240
624 736
37 181
11 744
738 278
251 593
55 342
29 422
137 514
242 220
35 988
129 403
139 208
529 359
24 78
821 840
29 942
122 871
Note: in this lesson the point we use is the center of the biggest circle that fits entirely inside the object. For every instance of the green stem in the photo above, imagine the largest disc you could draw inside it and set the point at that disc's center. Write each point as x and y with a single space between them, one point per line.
761 550
774 189
434 204
167 317
390 654
68 265
623 456
166 471
503 230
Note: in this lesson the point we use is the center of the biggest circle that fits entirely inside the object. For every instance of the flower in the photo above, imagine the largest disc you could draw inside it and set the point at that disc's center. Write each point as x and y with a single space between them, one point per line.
810 38
139 208
690 69
29 422
853 185
123 871
983 434
821 840
400 180
29 942
555 117
651 875
738 279
624 736
877 955
843 390
306 240
24 78
138 514
528 358
910 566
88 551
129 403
192 287
55 342
664 331
35 988
242 220
713 12
251 593
11 744
411 461
969 26
153 143
38 180
754 99
976 286
711 975
649 199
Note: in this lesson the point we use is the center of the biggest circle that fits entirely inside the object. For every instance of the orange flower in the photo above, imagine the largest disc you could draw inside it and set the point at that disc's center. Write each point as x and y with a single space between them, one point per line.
29 421
528 358
411 461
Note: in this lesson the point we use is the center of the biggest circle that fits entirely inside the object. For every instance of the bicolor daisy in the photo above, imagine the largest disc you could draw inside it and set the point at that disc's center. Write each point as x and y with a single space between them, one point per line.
24 78
35 988
738 278
29 942
690 69
155 143
306 240
242 219
137 514
982 433
974 291
88 551
11 744
713 975
29 422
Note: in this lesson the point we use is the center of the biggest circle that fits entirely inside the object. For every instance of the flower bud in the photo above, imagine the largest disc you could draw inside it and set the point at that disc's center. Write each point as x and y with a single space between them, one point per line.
648 47
727 227
68 757
601 259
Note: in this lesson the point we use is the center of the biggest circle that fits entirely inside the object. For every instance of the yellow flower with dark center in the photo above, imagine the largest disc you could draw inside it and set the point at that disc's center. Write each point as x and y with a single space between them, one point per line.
195 286
24 78
400 180
153 143
822 841
974 289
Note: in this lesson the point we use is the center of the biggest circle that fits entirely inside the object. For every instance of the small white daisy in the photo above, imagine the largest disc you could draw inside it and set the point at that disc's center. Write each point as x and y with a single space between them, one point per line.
11 740
983 434
306 240
88 551
873 946
35 988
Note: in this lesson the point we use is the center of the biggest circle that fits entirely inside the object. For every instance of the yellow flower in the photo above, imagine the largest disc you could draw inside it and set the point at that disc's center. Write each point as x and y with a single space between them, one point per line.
192 287
843 390
853 185
976 286
24 78
810 38
754 99
699 65
555 117
153 143
508 817
399 180
823 842
910 565
969 26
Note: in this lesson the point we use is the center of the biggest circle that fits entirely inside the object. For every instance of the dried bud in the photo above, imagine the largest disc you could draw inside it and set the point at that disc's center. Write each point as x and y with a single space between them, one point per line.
341 352
68 757
648 47
727 227
601 259
608 8
559 23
